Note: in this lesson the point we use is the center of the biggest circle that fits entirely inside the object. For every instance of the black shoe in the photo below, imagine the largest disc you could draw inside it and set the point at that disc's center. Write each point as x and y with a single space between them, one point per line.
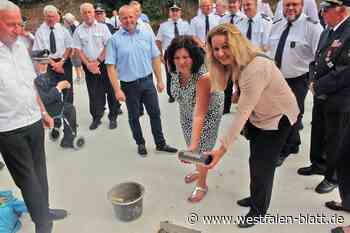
325 187
66 143
333 205
226 112
119 111
141 149
248 220
245 202
166 148
142 113
95 124
171 100
57 214
294 150
2 165
280 160
311 170
43 228
113 124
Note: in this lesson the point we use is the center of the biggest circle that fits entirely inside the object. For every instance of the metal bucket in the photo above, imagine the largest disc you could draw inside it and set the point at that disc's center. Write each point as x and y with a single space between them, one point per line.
127 200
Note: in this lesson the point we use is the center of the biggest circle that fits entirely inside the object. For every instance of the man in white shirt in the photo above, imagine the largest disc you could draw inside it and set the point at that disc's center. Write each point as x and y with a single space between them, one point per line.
293 44
310 9
53 36
168 30
22 115
256 26
201 24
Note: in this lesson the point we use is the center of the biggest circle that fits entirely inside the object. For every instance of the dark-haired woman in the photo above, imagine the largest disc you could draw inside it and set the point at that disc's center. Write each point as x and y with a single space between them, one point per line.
200 109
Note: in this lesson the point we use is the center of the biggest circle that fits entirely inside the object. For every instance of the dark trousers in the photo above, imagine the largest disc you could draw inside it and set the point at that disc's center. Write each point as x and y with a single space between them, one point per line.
318 135
228 96
70 115
344 171
299 87
168 82
99 86
336 125
68 75
24 154
265 148
143 90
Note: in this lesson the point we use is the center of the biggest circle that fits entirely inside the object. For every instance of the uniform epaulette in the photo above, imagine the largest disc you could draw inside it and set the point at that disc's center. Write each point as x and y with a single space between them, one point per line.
277 20
266 17
309 19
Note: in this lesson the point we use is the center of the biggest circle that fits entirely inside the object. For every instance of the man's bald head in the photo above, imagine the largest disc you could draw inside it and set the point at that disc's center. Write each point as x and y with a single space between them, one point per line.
128 17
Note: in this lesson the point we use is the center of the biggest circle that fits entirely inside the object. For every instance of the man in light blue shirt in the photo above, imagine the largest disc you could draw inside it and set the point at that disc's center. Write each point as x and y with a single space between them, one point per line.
131 57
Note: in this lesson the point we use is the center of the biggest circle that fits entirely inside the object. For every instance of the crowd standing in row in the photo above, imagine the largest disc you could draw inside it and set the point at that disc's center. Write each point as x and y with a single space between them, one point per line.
264 63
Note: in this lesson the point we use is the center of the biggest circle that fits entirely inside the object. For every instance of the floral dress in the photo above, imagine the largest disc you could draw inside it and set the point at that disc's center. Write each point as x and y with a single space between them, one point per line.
186 97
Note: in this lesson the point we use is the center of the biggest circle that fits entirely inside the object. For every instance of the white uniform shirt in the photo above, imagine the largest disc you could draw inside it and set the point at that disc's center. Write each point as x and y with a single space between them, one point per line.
310 9
227 18
62 37
166 32
198 25
261 28
91 39
265 8
115 21
300 47
146 26
18 106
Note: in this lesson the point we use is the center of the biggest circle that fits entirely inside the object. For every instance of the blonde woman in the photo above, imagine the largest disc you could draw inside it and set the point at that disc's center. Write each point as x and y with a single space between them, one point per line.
266 107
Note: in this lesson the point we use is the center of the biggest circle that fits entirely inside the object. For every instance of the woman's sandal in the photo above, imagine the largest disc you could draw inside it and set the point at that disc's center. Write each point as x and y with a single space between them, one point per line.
193 176
196 196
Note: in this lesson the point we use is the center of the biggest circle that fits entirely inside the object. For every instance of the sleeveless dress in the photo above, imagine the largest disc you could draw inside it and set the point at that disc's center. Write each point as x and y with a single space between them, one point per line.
186 97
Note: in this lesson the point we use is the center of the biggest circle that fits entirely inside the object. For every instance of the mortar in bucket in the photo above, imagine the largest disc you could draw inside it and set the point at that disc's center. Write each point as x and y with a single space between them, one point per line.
127 200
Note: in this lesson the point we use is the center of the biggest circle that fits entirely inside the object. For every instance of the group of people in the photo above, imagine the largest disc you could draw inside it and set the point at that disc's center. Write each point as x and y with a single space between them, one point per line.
266 66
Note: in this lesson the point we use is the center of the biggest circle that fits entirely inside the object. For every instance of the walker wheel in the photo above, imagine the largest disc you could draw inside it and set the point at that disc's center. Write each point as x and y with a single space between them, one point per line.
78 142
54 134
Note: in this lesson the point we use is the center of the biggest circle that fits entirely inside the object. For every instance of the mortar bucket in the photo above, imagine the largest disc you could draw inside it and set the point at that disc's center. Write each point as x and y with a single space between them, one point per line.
127 200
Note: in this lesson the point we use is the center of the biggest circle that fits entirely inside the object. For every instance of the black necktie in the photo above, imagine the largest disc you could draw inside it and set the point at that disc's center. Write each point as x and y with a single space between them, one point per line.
249 31
330 33
232 17
206 24
52 41
280 47
176 30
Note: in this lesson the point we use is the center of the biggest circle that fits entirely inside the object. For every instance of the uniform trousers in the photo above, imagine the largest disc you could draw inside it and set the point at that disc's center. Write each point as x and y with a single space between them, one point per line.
300 88
68 94
265 148
318 138
24 154
336 126
143 90
228 96
99 86
344 171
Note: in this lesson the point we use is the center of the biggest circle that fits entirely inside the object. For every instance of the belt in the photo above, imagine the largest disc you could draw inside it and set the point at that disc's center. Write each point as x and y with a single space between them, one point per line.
139 80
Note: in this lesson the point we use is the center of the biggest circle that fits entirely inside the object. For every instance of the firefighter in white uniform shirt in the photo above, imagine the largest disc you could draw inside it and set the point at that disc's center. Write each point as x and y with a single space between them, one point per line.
256 26
293 43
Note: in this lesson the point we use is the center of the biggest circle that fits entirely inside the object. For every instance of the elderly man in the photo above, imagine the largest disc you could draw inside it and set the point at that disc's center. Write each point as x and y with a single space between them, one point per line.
256 26
293 43
21 122
138 8
234 14
135 74
168 30
220 8
91 49
310 9
51 35
331 86
201 24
